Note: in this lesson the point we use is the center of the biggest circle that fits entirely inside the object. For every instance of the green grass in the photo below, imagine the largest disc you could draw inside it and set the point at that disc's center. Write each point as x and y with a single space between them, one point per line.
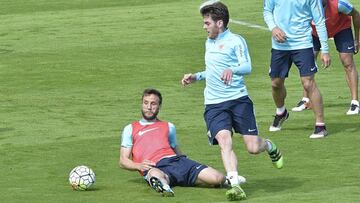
72 73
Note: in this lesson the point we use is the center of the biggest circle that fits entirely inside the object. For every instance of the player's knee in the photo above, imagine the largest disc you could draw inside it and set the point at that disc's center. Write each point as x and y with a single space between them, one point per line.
153 172
224 140
309 85
253 148
276 85
218 179
349 67
221 179
253 144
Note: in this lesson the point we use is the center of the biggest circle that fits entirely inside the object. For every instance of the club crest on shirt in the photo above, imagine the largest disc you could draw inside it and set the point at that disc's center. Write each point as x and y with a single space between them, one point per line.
221 46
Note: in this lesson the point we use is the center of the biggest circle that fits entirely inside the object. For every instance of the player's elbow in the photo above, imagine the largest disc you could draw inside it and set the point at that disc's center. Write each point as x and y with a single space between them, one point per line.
122 163
247 68
248 71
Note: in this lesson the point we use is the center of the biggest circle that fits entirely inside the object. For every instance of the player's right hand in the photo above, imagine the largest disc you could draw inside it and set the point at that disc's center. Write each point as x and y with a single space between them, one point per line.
278 35
325 60
188 79
146 165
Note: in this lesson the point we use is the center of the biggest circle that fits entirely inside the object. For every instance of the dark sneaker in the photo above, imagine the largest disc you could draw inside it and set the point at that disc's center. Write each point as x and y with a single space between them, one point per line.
353 110
319 132
235 193
159 187
278 120
302 105
276 156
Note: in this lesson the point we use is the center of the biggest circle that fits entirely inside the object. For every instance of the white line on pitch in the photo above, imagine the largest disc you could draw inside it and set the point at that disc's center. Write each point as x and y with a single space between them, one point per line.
249 24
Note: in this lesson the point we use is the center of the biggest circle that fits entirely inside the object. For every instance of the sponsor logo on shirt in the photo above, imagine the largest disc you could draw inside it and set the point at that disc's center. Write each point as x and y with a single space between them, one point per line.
142 132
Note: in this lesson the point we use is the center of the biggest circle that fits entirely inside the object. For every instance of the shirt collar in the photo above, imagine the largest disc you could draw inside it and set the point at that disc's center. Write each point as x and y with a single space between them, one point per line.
221 35
146 122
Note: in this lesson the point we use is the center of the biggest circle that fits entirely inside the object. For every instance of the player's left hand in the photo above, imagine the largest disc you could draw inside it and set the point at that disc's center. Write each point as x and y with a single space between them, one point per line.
325 60
227 76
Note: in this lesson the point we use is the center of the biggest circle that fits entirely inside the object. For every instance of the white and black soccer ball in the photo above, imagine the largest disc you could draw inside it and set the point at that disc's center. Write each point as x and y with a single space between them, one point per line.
81 178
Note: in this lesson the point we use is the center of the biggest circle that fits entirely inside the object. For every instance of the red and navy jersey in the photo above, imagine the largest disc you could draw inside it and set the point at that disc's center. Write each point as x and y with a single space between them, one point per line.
151 142
335 21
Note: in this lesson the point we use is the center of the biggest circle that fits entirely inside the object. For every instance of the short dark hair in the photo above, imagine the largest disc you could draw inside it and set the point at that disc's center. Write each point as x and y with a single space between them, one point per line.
217 11
150 91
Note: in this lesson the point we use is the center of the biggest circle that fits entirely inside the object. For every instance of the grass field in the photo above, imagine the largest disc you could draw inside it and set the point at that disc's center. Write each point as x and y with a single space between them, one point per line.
72 73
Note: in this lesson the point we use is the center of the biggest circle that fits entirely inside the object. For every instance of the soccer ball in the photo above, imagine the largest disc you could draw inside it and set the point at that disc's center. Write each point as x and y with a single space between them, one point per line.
81 178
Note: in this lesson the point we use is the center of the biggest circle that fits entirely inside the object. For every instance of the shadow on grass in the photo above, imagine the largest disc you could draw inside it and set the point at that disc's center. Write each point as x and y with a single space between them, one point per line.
273 185
342 127
6 129
93 189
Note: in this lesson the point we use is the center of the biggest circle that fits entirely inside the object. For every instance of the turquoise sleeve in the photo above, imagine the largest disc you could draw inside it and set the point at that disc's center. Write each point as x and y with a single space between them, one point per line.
126 137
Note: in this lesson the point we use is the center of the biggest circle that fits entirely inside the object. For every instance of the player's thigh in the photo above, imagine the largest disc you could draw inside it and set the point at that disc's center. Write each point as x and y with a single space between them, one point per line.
344 41
304 60
210 176
181 170
217 119
280 63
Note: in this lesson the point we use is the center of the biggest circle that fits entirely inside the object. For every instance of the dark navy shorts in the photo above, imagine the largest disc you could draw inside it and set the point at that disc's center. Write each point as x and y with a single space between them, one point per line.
181 170
281 61
235 114
344 41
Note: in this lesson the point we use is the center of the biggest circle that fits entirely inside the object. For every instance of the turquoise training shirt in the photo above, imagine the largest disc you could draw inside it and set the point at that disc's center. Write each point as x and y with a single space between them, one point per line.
228 50
294 18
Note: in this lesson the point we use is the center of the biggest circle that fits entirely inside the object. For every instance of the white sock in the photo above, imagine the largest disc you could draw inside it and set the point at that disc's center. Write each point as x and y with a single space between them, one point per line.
233 177
319 124
280 110
356 102
305 99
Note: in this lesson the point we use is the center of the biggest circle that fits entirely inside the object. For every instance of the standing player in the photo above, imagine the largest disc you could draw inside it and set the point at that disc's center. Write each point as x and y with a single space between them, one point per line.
289 21
149 146
338 14
228 105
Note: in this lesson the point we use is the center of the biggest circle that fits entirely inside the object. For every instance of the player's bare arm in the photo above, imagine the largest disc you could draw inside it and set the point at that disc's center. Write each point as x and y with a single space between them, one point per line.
188 79
126 162
356 23
278 35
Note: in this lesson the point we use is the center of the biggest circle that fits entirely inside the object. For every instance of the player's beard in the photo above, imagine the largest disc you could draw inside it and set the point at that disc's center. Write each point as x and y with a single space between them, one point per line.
150 118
